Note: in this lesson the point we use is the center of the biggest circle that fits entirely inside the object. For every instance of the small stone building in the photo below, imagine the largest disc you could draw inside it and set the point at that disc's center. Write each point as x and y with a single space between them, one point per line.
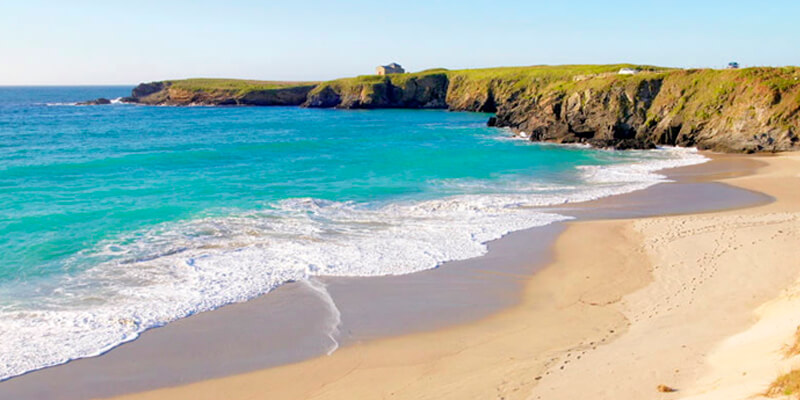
393 68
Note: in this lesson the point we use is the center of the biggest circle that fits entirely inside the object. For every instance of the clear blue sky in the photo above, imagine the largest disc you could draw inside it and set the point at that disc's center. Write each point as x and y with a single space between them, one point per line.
126 42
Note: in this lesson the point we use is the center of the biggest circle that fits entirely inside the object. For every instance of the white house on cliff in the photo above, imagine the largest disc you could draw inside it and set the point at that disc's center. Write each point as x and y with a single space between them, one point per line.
393 68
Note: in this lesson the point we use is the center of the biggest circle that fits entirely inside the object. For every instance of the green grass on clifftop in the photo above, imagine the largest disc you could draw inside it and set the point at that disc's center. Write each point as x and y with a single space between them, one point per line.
549 78
696 94
550 72
556 77
540 72
234 85
515 77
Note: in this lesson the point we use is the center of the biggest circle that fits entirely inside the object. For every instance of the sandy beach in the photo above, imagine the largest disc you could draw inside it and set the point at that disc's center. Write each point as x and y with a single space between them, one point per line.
703 303
543 307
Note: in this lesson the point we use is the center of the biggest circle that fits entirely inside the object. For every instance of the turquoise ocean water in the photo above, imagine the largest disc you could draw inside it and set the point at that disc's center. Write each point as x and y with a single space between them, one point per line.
118 218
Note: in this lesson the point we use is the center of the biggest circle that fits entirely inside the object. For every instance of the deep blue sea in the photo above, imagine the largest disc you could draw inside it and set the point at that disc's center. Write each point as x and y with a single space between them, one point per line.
118 218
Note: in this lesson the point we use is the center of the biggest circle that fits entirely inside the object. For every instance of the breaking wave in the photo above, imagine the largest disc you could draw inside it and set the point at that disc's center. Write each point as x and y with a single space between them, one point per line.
155 276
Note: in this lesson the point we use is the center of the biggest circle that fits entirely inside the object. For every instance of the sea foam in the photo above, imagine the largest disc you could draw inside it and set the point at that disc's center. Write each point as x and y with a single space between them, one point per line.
149 278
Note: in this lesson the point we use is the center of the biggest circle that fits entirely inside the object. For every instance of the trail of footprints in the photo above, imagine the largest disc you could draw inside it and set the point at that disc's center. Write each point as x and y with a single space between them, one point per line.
574 354
703 269
707 266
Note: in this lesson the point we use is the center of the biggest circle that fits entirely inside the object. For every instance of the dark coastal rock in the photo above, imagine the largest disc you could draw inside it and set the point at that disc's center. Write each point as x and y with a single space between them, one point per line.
602 118
293 96
622 144
326 97
420 92
146 89
428 91
657 111
95 102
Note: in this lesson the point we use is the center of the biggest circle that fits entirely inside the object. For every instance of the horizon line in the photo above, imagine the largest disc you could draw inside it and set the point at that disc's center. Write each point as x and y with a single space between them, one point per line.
2 85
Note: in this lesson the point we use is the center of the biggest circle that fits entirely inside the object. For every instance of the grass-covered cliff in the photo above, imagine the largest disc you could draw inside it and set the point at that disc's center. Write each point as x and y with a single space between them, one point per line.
427 89
745 110
462 90
221 92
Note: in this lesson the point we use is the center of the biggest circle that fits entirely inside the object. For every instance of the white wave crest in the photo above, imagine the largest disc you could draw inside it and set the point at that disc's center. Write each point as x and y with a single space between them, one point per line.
152 277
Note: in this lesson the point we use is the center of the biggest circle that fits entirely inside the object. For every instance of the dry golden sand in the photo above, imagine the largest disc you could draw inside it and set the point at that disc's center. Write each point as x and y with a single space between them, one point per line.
705 304
713 274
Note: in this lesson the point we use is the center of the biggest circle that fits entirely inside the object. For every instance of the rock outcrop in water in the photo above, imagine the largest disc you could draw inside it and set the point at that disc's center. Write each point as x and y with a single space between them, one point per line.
746 110
96 102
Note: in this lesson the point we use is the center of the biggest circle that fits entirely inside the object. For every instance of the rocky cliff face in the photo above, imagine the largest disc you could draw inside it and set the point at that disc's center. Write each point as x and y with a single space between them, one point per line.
748 110
397 91
607 117
734 111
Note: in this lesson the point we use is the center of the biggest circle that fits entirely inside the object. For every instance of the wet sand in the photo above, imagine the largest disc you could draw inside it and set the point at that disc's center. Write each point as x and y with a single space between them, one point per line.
291 324
702 303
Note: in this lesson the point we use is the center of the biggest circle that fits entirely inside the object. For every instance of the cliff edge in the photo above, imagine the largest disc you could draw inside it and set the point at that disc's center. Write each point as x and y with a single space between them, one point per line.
221 92
742 110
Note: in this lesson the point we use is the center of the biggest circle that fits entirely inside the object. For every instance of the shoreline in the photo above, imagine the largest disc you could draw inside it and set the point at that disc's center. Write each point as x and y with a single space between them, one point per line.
714 278
620 353
339 286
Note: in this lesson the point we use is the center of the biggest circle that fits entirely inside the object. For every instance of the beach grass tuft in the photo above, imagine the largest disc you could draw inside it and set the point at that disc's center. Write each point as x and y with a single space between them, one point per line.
665 389
786 385
794 349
